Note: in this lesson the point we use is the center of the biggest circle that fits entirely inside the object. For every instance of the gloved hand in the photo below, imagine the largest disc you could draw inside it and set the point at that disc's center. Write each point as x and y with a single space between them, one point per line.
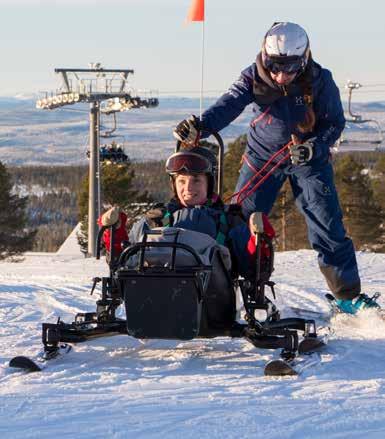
301 153
188 131
256 223
111 217
154 217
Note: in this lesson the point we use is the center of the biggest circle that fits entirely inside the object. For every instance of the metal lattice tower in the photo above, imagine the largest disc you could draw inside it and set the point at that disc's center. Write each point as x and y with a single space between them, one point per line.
95 86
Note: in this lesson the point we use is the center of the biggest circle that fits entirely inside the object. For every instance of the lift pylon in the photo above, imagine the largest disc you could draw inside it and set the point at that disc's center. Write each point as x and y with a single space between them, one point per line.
94 86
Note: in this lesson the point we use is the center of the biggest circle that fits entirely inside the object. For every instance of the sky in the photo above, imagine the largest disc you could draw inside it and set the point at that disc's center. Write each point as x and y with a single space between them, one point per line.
151 37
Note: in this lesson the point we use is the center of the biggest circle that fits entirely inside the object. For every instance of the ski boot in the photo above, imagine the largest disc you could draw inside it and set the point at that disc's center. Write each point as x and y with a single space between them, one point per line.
353 306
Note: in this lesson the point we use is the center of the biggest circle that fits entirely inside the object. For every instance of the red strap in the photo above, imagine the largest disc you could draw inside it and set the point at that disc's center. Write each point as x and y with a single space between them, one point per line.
240 199
258 174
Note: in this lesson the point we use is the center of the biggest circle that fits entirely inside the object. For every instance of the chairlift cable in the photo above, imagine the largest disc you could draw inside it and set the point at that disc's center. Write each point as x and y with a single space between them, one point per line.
365 91
71 110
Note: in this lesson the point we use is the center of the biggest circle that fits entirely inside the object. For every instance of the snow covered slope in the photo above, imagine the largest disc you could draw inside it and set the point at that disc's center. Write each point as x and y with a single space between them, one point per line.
60 137
120 388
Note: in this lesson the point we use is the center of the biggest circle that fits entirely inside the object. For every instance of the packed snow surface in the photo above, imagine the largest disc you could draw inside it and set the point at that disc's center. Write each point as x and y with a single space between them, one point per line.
120 388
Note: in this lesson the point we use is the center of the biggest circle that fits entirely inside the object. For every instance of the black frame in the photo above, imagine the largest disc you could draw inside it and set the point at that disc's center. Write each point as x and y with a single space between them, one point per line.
272 333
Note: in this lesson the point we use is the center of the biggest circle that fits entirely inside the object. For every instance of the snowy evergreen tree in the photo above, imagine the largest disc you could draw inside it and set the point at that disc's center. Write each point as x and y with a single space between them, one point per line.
117 189
378 181
289 224
15 239
362 214
232 164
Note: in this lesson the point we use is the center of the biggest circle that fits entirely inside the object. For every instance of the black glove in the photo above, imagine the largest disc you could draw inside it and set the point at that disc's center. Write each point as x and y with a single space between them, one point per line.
188 131
301 153
154 217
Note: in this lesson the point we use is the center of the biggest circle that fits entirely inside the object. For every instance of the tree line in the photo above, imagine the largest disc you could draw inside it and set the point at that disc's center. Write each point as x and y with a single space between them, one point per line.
360 183
53 196
57 199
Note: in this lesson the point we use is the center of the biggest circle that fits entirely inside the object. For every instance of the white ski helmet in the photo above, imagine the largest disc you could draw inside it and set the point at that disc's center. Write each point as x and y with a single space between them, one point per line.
285 48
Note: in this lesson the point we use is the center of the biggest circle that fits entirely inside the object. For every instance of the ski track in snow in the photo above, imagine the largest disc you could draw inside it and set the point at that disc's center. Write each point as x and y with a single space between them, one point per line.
119 387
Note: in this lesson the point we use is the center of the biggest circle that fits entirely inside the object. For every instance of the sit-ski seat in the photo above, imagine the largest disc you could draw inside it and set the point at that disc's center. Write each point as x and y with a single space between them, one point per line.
176 285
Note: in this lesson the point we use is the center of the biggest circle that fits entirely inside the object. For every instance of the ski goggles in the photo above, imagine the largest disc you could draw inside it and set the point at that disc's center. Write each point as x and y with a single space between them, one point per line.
188 162
285 64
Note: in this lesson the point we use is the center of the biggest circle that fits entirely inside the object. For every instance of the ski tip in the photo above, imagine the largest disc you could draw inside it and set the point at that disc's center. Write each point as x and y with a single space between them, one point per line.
279 368
24 363
310 344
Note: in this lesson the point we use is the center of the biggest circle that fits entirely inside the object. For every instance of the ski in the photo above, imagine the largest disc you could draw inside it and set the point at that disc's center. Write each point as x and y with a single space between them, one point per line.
325 317
313 344
294 367
308 356
309 346
40 361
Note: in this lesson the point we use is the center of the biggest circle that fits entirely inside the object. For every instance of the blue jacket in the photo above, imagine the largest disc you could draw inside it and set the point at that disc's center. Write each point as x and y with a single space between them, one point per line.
277 110
225 226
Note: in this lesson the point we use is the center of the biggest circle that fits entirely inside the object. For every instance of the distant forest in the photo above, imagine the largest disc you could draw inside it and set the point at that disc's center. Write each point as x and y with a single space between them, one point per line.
53 196
360 181
53 193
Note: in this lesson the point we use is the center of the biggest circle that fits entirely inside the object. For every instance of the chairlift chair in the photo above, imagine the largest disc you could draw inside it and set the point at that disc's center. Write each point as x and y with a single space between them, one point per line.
112 153
109 133
356 119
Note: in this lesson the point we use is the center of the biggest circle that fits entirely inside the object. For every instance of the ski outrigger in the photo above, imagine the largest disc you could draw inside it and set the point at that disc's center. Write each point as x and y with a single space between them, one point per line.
178 284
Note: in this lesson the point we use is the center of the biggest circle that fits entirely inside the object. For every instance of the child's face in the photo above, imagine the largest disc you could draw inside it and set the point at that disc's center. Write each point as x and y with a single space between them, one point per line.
191 189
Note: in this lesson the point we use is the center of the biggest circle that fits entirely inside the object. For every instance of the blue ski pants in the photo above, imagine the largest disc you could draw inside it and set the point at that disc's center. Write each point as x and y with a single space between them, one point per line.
316 197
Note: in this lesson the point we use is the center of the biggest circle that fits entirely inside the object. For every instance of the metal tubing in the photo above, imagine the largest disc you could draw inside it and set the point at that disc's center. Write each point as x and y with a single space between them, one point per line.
93 180
221 153
288 323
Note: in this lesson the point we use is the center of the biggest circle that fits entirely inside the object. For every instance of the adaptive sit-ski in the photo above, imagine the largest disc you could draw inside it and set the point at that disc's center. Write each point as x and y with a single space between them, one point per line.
178 284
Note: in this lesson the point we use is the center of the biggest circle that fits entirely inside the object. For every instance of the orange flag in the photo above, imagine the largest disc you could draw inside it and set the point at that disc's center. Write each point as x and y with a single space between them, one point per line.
197 11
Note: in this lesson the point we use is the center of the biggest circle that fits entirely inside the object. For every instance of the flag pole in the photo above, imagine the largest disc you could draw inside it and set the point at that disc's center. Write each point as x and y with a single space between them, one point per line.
197 13
202 70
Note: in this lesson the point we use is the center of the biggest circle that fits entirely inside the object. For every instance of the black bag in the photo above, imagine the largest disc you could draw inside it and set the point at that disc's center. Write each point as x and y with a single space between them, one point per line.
176 285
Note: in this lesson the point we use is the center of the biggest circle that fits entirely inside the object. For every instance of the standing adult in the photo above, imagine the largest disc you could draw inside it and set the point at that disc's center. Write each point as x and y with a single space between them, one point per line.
295 103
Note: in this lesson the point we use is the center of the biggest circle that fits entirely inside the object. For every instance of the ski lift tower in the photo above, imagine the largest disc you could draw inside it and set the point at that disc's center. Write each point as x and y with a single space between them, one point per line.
95 85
